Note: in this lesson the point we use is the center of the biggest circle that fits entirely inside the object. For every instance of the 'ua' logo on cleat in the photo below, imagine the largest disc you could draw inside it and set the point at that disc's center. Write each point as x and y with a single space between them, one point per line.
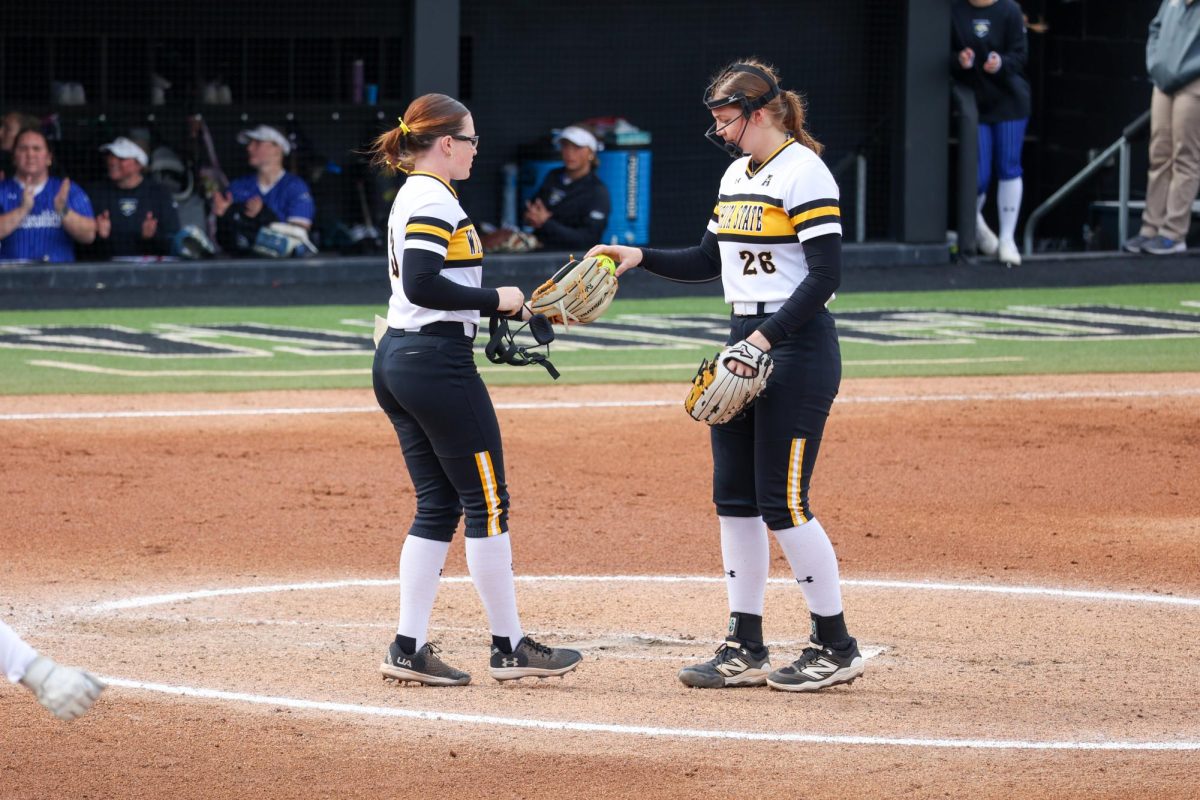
509 662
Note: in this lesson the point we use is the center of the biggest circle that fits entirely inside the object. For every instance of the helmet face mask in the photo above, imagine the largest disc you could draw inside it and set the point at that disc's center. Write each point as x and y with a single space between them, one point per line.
748 105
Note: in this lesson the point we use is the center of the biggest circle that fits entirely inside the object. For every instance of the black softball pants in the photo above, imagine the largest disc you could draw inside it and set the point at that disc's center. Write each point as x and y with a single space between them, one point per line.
763 459
437 402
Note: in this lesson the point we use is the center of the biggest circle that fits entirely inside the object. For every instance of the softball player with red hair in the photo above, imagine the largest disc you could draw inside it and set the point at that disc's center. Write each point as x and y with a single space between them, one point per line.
426 381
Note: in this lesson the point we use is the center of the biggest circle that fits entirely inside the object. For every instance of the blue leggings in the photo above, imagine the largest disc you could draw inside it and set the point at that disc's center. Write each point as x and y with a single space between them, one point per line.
1000 142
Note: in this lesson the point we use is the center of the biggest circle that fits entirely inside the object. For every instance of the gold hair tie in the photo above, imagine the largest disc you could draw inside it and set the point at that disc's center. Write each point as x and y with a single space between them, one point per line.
404 126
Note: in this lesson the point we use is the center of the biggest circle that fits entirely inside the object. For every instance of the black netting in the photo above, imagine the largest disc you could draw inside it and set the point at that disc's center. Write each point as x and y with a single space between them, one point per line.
331 76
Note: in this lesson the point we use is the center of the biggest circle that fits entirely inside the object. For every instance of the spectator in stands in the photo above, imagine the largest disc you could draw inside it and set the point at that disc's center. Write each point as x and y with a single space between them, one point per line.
570 209
10 125
41 217
989 55
135 214
1173 60
270 195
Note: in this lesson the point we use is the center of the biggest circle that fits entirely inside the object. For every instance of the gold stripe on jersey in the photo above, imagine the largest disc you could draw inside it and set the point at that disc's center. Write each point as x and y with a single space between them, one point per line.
465 250
814 213
487 479
429 229
795 479
750 173
752 218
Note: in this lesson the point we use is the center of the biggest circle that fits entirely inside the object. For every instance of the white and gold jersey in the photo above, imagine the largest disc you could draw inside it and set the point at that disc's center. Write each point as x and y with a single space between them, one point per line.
762 217
426 215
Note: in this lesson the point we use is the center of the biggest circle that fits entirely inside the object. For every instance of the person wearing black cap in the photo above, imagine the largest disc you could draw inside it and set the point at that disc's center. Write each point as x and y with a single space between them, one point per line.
570 209
135 214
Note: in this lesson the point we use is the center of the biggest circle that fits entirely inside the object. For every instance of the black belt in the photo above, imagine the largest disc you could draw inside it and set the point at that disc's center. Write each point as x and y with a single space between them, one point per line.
445 328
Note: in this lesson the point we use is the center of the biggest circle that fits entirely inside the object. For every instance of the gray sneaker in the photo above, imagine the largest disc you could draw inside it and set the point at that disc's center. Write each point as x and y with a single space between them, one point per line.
818 667
532 660
1162 246
1136 243
424 666
733 665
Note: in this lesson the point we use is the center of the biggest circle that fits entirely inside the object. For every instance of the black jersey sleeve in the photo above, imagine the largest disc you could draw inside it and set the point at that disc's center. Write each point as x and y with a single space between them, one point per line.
698 264
824 257
426 286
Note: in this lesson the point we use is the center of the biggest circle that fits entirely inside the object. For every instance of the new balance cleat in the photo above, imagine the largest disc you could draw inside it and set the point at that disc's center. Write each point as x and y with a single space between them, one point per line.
424 666
532 660
818 667
733 665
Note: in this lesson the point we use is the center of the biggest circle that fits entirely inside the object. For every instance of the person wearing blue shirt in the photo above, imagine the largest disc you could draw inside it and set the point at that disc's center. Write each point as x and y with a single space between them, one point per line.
41 217
271 194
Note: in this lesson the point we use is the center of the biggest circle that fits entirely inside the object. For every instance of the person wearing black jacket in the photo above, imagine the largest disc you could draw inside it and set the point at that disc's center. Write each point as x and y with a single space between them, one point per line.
135 215
989 55
571 208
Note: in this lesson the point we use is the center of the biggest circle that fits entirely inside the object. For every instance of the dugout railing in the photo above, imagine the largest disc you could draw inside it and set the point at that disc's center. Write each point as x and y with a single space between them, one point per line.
1120 148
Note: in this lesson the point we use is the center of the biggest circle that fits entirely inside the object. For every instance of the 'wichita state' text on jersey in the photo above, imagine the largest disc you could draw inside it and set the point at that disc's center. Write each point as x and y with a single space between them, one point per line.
426 209
762 217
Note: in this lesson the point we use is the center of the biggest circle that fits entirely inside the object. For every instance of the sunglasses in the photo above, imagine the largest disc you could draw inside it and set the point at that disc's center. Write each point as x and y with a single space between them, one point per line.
474 140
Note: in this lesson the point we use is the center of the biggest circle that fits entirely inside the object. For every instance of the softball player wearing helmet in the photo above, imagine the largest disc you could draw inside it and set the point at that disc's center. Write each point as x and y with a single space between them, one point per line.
426 381
774 239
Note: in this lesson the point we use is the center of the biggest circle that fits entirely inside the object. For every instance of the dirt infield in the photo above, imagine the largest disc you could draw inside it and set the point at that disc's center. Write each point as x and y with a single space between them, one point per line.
1020 558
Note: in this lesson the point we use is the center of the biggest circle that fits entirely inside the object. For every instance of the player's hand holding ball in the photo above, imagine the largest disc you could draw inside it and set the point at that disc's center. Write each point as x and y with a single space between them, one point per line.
626 258
579 292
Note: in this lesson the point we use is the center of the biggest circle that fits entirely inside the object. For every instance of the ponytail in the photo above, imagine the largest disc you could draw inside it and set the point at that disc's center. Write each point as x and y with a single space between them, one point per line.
791 114
426 119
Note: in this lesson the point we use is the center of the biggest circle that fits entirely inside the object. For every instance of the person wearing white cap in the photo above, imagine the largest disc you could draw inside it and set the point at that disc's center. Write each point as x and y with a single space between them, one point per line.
135 214
272 194
570 209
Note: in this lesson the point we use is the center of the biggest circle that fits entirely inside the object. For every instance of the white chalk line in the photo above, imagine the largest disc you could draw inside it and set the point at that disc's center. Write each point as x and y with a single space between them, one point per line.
639 730
1059 593
599 404
366 371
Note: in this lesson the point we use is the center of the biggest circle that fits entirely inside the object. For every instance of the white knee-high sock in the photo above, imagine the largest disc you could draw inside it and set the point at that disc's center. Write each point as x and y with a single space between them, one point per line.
1009 195
815 566
489 561
745 551
421 562
980 201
